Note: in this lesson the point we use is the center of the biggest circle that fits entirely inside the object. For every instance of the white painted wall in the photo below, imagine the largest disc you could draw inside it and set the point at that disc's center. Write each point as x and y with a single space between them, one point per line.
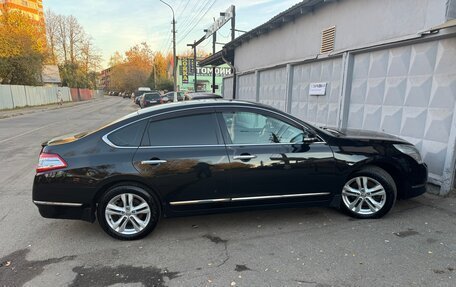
358 23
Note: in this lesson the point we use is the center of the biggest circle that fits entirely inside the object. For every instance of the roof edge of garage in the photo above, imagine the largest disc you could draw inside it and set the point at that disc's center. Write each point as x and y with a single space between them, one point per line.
297 10
214 59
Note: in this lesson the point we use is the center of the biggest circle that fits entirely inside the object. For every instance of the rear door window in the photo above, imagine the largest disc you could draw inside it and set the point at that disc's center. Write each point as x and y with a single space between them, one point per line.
128 136
198 129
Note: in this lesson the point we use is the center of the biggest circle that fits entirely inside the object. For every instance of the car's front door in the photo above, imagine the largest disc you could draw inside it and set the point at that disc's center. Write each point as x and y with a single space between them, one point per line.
273 157
183 158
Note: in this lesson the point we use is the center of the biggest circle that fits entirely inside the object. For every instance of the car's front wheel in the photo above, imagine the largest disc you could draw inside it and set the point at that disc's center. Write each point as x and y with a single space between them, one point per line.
369 193
128 212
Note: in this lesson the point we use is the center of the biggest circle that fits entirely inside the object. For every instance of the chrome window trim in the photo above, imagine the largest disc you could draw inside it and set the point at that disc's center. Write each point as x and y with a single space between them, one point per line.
108 142
202 201
54 203
218 145
266 144
182 146
216 200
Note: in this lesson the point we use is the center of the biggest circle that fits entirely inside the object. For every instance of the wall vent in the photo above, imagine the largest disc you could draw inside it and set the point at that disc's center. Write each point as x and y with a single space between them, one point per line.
327 40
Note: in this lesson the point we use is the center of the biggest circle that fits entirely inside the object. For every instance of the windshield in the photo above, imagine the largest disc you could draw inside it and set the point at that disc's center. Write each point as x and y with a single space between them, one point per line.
151 96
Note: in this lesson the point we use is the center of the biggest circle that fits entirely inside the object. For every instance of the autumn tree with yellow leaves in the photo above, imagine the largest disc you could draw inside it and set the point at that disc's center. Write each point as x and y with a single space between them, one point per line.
138 67
22 48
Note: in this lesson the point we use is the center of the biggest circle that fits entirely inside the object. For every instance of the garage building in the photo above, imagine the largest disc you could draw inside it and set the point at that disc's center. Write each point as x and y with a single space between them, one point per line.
385 65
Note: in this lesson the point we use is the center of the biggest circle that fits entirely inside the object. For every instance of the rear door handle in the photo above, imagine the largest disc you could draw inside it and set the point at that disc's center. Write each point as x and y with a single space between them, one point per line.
244 156
153 162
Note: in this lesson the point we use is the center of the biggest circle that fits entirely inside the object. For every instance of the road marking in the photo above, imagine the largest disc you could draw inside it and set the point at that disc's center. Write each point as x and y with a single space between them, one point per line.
86 109
27 132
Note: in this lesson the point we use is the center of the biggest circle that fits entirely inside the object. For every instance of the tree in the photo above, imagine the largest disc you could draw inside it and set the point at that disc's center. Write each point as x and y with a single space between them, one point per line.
140 67
73 50
116 59
134 70
22 46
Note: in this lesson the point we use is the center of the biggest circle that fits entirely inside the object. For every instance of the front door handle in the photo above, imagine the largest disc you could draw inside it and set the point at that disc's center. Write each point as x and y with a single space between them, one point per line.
244 156
153 161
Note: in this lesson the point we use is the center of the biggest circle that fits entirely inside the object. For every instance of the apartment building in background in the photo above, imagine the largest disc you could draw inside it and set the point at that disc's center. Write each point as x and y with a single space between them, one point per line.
33 8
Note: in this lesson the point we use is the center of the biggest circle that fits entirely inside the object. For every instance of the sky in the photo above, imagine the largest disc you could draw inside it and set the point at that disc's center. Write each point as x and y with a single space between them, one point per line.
117 25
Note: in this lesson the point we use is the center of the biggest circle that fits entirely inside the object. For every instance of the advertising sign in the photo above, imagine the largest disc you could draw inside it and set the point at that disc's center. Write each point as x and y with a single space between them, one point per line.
220 21
185 71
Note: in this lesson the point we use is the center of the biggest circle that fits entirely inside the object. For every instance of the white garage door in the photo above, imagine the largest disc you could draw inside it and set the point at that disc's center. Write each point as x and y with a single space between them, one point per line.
410 92
318 110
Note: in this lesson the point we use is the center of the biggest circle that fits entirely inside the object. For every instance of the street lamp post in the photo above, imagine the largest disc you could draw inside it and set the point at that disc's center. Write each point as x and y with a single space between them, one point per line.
174 52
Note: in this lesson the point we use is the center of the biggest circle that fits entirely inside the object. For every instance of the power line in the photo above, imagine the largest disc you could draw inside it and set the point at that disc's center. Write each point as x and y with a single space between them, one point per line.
166 43
182 11
183 38
196 16
196 10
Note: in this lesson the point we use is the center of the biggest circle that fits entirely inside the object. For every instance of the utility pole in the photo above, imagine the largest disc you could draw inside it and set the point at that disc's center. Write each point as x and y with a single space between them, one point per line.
175 60
195 84
174 52
196 43
214 41
233 24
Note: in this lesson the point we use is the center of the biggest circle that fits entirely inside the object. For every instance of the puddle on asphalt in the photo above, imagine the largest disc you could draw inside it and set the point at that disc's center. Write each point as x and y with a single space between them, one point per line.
16 270
215 239
123 274
241 268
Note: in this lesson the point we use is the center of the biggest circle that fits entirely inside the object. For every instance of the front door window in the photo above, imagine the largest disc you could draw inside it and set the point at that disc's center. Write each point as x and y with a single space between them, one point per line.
253 128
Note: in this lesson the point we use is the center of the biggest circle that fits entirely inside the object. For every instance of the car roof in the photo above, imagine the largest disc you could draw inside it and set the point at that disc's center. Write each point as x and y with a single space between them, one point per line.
197 103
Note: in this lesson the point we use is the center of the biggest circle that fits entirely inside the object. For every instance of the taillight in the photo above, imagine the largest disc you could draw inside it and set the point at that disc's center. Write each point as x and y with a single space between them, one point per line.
50 161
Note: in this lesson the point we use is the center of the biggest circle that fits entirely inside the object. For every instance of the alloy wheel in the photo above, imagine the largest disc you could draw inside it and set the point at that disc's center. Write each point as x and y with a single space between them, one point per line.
364 195
127 213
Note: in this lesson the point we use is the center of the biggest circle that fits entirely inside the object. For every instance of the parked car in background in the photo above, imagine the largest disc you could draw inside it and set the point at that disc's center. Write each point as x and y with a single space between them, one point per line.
150 99
171 160
126 94
201 96
165 99
170 96
137 98
139 92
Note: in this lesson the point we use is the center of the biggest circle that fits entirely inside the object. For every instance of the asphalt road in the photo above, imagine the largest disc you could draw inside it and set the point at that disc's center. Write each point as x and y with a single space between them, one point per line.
414 245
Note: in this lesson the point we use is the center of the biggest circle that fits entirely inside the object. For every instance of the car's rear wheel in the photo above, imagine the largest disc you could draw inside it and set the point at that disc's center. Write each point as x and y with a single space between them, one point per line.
369 193
128 212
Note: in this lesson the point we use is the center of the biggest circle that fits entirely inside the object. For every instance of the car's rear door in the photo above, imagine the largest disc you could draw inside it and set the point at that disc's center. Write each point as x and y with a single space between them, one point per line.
270 160
183 158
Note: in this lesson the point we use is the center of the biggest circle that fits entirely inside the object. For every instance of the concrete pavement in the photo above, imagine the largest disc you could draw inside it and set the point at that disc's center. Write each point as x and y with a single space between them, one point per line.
415 245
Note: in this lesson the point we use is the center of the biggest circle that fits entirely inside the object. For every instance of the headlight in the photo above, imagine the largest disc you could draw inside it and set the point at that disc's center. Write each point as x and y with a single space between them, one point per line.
409 150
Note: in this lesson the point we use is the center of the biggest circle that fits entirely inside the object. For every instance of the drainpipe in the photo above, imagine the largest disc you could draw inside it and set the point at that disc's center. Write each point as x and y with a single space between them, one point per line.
233 69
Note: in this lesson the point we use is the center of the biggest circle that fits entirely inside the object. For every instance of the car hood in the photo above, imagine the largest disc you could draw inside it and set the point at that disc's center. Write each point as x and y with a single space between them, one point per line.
64 139
363 134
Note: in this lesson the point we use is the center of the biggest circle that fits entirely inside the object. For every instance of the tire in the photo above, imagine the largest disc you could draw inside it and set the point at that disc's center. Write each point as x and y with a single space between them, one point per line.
138 208
372 202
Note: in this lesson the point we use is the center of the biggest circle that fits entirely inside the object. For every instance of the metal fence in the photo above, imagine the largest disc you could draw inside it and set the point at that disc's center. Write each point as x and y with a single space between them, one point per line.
15 96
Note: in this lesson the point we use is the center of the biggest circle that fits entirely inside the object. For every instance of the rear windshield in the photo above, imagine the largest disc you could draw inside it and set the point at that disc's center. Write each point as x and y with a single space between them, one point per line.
152 96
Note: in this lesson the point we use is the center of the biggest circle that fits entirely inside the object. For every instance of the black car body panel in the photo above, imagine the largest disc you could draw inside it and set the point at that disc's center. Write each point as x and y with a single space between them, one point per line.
308 173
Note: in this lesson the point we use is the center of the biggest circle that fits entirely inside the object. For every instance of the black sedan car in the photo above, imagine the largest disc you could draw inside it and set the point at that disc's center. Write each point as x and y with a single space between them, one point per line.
150 99
217 155
170 96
